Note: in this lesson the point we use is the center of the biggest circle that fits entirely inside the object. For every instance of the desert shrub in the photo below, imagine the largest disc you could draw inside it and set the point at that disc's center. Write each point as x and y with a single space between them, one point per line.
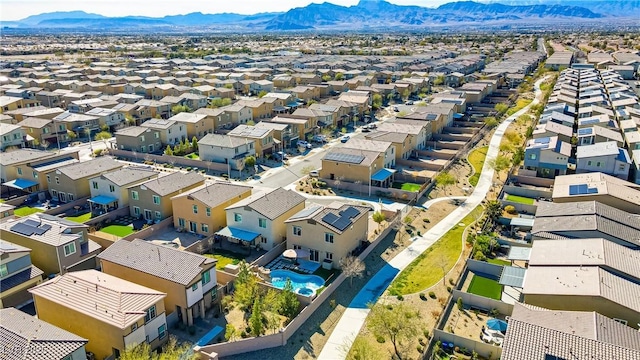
511 209
432 294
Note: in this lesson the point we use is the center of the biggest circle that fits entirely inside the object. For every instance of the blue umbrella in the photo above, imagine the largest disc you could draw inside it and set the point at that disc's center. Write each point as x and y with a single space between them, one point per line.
496 324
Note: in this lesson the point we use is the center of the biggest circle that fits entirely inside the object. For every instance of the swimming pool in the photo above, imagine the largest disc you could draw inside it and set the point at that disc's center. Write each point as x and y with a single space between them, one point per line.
302 284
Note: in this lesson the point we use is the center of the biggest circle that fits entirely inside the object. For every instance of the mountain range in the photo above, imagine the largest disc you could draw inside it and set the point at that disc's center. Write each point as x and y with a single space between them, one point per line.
367 14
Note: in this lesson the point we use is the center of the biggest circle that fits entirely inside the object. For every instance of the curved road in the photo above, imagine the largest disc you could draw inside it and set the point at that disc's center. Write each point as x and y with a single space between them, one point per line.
355 315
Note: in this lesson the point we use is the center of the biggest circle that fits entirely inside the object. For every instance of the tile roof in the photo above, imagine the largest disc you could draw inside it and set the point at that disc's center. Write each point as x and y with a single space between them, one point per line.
246 131
23 155
215 194
101 296
132 131
129 175
166 185
225 141
25 337
34 122
178 266
271 204
60 233
21 277
90 168
362 211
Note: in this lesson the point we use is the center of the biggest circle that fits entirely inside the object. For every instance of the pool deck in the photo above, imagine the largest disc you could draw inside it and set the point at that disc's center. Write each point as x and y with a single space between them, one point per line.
304 266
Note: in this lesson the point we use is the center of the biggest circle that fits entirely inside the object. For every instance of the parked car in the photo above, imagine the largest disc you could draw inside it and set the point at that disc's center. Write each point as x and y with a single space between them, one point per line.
395 108
366 128
373 126
304 144
314 173
319 138
280 156
345 138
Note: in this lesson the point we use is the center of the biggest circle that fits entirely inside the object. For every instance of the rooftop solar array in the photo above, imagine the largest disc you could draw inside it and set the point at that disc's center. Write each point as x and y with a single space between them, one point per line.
545 140
586 131
338 222
30 227
581 189
350 212
345 158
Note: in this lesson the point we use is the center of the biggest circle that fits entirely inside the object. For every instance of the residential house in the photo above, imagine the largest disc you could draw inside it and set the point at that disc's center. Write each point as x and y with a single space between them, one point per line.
383 147
600 187
158 109
604 157
283 137
226 149
318 117
303 128
113 314
107 117
26 169
45 132
366 167
81 124
188 279
151 200
57 245
109 190
12 136
17 274
71 182
171 132
550 129
9 103
27 337
586 219
328 233
203 207
261 136
6 212
139 139
547 156
261 217
538 333
598 134
197 125
260 108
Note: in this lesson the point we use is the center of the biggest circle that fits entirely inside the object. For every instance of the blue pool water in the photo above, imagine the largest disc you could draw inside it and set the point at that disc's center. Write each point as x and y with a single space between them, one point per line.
302 284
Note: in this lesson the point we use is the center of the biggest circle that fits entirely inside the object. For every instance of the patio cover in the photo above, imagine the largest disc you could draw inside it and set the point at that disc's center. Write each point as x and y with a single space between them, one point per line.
20 184
280 108
382 174
458 116
523 222
239 234
519 253
103 200
512 276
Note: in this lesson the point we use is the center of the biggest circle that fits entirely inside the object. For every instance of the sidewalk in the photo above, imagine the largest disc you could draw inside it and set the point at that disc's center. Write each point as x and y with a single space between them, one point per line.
355 315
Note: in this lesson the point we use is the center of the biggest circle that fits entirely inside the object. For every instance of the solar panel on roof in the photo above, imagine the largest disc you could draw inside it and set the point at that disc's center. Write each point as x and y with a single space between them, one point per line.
23 229
330 218
341 224
432 117
350 212
31 222
39 231
346 158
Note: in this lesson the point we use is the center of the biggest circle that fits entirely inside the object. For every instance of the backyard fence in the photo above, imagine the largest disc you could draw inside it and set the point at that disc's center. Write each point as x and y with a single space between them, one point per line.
110 216
150 230
63 208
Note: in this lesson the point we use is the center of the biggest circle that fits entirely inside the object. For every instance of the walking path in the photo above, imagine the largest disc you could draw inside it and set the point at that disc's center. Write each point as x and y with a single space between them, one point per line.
355 315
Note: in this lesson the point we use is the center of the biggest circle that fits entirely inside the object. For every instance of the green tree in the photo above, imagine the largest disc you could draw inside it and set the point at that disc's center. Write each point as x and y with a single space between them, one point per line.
250 161
444 180
397 323
339 76
194 144
103 135
439 80
500 163
71 135
257 318
230 332
219 102
170 351
491 121
246 288
168 150
376 101
405 94
177 109
272 301
378 217
361 349
501 108
262 93
289 302
352 267
326 78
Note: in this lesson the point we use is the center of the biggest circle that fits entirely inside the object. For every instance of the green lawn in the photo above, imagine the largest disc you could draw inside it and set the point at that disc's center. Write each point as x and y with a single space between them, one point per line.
327 274
485 287
225 258
476 159
425 270
193 156
80 218
118 230
407 186
499 262
520 199
26 211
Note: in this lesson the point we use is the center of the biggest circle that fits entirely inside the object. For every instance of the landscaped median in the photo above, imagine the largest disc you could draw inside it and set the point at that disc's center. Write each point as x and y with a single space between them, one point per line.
433 264
476 159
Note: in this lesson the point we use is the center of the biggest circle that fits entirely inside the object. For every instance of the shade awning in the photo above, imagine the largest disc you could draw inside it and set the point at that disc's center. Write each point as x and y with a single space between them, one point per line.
239 234
512 276
458 116
519 253
280 108
382 174
103 200
20 184
523 222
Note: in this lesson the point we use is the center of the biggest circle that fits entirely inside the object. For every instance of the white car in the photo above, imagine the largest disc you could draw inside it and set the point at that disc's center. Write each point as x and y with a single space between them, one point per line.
314 173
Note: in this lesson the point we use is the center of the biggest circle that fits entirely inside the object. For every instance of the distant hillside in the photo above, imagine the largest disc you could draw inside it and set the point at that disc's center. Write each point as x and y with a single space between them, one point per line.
36 19
619 8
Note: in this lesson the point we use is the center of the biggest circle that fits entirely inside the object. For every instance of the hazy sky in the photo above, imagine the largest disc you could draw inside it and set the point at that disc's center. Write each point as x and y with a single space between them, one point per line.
19 9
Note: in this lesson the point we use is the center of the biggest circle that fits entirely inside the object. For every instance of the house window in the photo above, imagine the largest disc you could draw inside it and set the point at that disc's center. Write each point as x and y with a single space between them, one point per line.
57 180
70 196
237 217
156 135
70 249
205 228
195 209
262 223
134 327
598 164
158 215
328 256
208 210
35 175
112 188
19 171
194 287
181 222
142 138
621 321
297 231
3 270
589 163
95 184
151 313
622 167
162 331
206 277
48 178
533 156
156 199
136 211
328 237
